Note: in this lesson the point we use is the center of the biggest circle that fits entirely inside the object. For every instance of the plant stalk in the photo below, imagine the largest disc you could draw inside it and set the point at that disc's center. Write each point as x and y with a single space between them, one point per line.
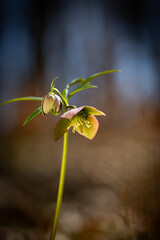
61 186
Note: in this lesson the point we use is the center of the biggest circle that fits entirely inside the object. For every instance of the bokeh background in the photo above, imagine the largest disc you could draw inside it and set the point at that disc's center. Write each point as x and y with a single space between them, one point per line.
112 183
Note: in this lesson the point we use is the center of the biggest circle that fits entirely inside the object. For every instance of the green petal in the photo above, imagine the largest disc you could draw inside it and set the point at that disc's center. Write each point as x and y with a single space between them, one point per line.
61 127
91 130
93 111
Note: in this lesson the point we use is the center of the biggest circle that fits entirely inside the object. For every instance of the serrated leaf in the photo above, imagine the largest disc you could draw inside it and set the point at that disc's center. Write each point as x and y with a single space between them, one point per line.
80 89
95 76
33 115
23 99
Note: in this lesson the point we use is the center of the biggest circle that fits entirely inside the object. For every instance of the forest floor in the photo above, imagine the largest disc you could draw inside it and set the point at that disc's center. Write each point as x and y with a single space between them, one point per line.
111 190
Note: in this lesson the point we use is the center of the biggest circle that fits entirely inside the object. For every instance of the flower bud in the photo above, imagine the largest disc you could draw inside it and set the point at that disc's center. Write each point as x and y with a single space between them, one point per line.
57 105
51 103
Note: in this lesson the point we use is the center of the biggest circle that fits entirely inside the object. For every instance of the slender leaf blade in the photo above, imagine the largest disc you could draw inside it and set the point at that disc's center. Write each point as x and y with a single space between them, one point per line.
95 76
52 85
73 82
33 115
80 89
29 98
76 80
65 91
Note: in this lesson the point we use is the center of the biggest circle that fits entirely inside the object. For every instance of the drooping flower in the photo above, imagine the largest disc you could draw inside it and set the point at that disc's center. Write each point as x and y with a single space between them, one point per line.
51 103
82 120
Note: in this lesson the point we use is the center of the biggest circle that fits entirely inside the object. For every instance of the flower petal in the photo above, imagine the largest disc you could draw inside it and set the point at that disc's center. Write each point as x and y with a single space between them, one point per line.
71 113
90 130
93 111
57 105
61 127
47 103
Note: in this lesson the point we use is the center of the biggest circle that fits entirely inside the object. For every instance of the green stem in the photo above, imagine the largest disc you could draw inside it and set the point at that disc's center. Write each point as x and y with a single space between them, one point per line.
61 186
63 99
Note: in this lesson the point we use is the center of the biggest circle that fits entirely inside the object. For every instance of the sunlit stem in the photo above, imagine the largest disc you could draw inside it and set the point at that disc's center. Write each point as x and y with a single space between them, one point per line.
71 106
65 103
61 186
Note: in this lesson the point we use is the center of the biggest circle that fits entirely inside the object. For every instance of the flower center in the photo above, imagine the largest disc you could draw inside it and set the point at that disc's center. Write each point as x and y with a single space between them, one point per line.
80 120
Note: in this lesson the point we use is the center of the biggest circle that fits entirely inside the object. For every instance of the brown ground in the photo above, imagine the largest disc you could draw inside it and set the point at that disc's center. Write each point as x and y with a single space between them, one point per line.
111 190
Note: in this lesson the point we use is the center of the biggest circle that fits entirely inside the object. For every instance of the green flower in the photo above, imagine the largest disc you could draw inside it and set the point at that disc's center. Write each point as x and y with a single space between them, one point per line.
82 120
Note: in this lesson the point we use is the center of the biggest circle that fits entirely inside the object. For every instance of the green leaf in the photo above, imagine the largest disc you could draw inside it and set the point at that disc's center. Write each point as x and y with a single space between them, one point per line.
52 85
76 80
23 99
62 126
95 76
65 91
73 82
80 89
33 115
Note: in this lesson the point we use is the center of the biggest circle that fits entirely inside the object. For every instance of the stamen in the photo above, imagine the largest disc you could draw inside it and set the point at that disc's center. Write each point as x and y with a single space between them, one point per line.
85 121
73 130
79 121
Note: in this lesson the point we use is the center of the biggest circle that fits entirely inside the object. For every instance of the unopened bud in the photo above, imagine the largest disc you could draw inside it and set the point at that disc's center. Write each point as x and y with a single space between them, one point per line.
57 106
51 103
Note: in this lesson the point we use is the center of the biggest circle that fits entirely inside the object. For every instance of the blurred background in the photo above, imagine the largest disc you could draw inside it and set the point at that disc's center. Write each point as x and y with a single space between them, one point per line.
112 183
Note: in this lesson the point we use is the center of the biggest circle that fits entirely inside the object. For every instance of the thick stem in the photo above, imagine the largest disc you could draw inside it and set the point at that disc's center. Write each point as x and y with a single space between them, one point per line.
61 186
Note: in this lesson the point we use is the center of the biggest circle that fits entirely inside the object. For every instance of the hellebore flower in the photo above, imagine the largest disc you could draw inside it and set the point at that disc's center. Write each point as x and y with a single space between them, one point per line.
82 120
51 103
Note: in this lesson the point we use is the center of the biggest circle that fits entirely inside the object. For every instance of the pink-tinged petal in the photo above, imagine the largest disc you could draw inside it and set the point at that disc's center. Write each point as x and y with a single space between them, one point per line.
61 127
71 113
57 106
93 111
90 130
47 103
